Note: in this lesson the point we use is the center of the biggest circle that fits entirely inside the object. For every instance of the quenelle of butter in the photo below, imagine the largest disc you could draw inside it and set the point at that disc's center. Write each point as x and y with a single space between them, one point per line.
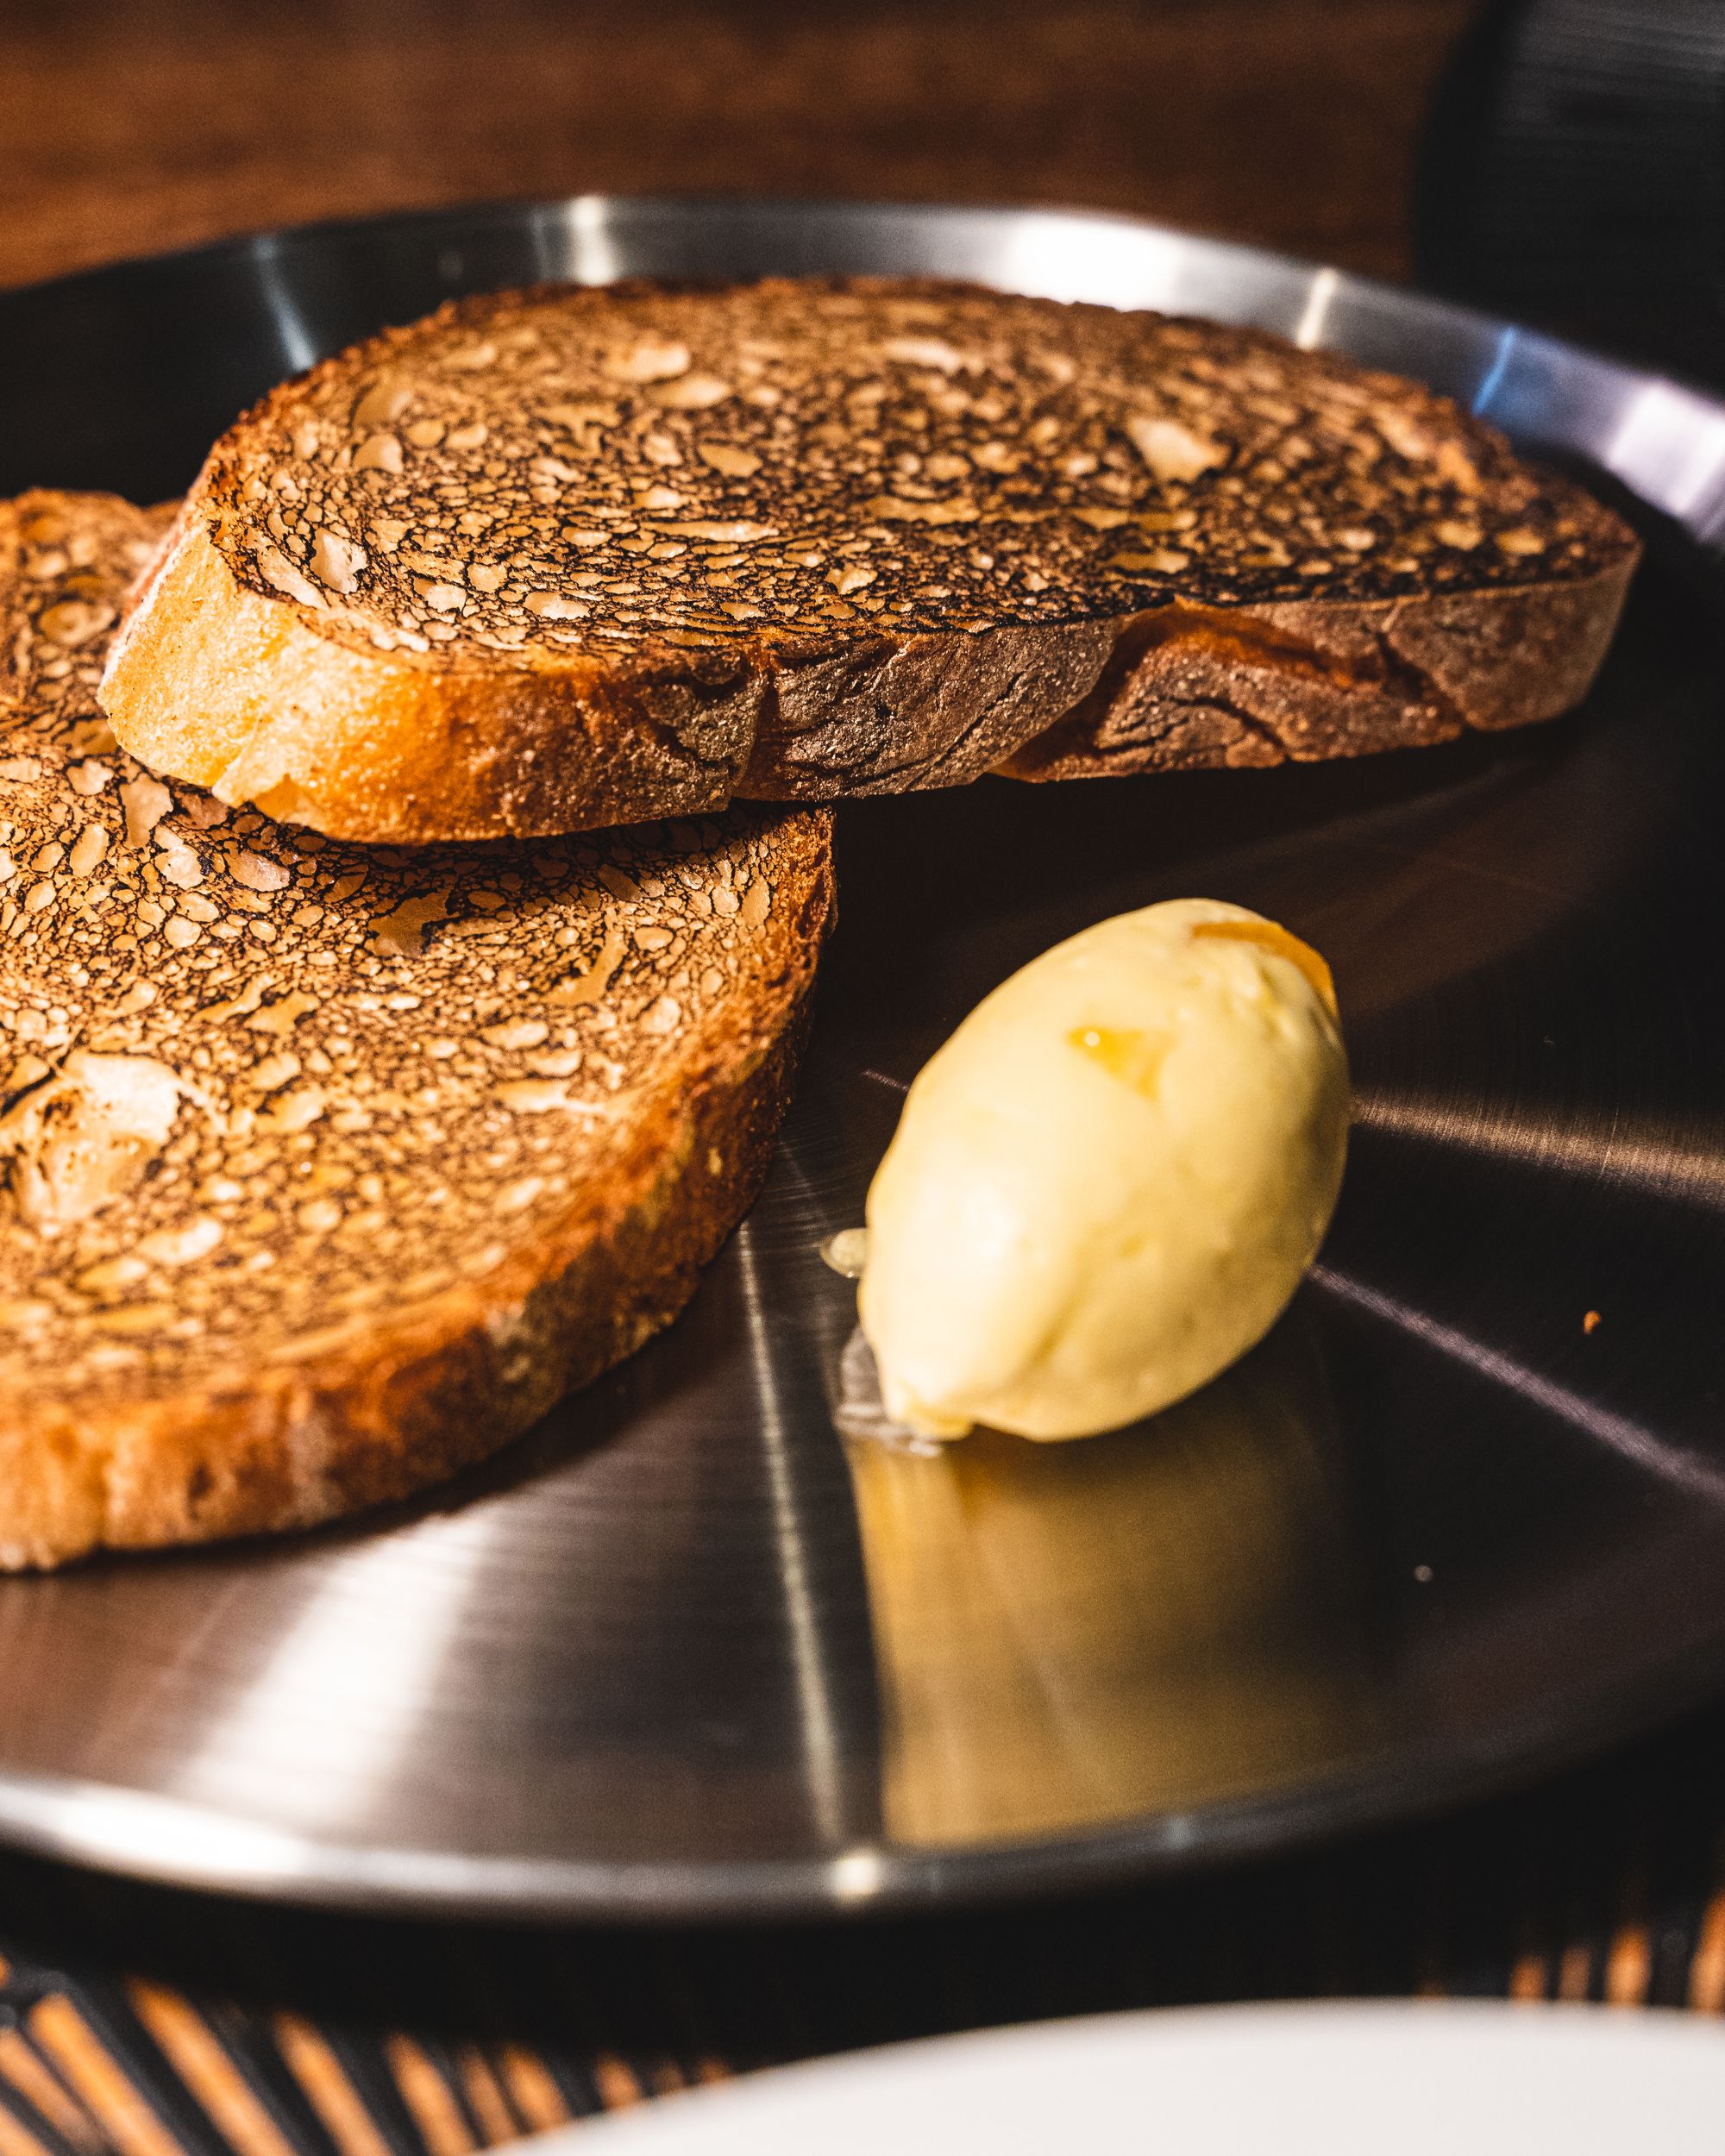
1104 1187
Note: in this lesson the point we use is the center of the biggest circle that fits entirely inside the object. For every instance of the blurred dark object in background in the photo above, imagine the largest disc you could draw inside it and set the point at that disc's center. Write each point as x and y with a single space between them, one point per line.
1574 174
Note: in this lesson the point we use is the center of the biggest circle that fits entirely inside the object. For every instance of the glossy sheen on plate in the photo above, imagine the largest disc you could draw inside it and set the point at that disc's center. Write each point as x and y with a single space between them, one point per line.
687 1650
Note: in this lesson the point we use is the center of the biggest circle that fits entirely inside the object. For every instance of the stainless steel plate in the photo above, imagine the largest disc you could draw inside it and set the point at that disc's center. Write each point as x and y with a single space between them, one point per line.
680 1651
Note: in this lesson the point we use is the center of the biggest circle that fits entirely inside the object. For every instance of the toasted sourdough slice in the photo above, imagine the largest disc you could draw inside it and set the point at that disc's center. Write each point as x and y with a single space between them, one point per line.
564 557
324 1171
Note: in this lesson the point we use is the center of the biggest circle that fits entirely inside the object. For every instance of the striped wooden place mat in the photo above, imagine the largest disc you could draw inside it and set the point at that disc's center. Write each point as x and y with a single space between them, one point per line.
139 2021
93 2064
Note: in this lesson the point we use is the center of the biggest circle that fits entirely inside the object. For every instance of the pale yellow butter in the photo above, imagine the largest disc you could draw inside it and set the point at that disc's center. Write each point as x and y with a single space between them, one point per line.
1104 1187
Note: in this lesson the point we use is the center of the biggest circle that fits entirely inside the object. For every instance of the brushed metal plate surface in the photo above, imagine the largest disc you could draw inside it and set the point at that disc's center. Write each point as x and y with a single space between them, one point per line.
685 1651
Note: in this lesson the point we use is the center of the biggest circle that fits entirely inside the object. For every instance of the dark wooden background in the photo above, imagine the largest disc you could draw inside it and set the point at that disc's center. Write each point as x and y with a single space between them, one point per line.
128 126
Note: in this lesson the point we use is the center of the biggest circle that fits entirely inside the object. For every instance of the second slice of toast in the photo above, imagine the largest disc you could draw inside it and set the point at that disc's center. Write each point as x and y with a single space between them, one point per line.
324 1170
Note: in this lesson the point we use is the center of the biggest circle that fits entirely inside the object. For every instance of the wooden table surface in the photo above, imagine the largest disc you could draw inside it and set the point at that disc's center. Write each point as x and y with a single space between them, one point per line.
126 126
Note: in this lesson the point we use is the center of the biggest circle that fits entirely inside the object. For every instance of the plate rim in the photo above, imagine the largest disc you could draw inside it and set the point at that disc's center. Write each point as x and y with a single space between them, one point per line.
181 1843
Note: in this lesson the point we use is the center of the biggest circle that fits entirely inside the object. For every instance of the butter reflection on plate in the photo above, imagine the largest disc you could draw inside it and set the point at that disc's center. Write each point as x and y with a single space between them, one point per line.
1070 1635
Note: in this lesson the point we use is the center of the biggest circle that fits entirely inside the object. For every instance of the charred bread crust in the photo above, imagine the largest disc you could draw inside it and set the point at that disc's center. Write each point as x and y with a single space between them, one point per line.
571 557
